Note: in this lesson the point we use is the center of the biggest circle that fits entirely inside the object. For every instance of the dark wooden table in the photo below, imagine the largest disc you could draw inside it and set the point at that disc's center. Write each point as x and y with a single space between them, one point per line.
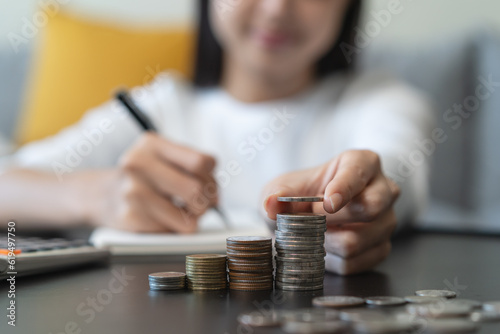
116 299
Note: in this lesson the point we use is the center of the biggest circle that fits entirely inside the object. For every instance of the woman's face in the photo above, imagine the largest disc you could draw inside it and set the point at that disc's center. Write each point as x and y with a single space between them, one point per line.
277 38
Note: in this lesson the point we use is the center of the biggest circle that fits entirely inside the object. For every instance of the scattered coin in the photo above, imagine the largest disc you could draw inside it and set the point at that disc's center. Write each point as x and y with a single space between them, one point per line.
261 319
450 326
206 272
337 301
436 293
167 281
300 199
385 301
362 314
311 315
299 327
423 299
250 263
492 306
383 326
439 310
484 316
472 303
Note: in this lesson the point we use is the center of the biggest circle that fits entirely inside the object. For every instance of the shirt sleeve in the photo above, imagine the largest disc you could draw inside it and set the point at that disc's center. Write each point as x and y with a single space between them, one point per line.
396 122
99 138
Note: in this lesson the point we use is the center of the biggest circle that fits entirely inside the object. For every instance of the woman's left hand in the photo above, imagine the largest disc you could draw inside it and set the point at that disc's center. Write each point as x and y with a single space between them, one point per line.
358 202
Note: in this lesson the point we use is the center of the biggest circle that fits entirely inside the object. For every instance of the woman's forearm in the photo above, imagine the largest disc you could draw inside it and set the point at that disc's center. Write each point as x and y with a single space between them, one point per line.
35 197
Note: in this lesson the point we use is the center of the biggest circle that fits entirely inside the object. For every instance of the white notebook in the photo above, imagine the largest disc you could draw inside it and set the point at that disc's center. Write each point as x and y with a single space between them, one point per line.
211 237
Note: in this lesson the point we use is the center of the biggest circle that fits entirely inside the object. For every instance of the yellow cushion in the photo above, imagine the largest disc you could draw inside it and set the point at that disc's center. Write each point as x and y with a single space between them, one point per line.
80 63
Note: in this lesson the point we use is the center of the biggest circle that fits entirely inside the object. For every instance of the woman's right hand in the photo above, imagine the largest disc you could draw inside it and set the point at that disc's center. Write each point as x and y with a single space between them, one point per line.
159 186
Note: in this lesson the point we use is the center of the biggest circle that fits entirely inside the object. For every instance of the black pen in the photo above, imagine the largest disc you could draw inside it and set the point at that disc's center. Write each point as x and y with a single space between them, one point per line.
147 125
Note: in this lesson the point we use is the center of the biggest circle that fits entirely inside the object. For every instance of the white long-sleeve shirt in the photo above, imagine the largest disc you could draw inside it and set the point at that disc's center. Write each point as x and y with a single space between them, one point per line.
255 142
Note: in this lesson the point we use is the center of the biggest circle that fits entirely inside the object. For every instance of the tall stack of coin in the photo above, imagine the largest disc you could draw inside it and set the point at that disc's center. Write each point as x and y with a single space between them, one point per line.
206 272
250 263
300 258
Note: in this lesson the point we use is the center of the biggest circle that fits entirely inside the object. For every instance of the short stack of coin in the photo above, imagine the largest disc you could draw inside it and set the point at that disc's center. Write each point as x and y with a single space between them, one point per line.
167 281
250 263
300 259
206 272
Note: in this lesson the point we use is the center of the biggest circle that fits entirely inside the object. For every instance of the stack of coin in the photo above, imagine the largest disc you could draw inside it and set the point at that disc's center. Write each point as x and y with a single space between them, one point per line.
250 263
206 272
300 259
167 281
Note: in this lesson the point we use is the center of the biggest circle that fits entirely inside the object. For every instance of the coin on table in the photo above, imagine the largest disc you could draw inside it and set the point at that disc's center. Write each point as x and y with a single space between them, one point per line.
469 302
385 301
492 306
300 199
167 281
310 315
337 301
424 299
362 314
439 310
485 316
450 326
436 293
383 326
298 287
261 319
206 272
301 217
332 327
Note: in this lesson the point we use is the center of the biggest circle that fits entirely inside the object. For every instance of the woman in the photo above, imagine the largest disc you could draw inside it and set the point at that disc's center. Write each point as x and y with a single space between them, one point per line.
274 110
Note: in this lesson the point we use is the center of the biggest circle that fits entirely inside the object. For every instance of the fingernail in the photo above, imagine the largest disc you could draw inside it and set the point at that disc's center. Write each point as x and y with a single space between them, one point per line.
336 201
268 196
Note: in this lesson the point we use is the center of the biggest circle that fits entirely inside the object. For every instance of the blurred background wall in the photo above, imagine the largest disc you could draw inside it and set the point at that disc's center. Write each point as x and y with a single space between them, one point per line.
424 21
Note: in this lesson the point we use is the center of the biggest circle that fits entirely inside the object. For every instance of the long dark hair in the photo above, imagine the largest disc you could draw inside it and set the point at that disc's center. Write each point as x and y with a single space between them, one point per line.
208 63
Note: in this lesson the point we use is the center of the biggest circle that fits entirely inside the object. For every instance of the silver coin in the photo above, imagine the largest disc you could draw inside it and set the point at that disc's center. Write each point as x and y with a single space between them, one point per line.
261 319
424 299
300 199
337 301
469 302
450 326
436 293
385 301
301 228
300 238
382 326
301 272
291 242
305 269
294 254
485 316
332 326
285 234
439 310
294 280
313 224
304 216
492 306
166 287
293 287
311 315
302 249
304 243
300 259
167 275
362 314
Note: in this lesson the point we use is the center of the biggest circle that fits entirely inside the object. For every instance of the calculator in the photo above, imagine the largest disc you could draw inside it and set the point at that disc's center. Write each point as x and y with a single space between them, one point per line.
35 255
